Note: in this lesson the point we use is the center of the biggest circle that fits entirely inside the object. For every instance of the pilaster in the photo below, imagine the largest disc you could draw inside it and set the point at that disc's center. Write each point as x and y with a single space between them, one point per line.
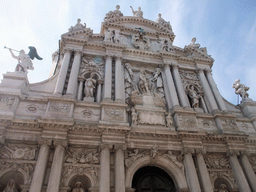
57 164
63 72
238 172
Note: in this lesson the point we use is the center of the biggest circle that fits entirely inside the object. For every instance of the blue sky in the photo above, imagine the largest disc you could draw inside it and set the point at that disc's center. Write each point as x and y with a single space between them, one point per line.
226 27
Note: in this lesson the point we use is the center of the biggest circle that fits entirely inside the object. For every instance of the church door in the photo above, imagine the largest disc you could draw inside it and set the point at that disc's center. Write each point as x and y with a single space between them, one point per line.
152 179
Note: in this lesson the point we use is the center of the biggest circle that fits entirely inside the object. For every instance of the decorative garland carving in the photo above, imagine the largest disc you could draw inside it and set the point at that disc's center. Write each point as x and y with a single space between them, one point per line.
177 160
217 162
14 152
82 156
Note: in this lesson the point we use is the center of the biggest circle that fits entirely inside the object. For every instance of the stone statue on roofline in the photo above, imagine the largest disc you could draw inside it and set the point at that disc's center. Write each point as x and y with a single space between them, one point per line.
162 22
24 60
241 89
113 14
138 13
78 26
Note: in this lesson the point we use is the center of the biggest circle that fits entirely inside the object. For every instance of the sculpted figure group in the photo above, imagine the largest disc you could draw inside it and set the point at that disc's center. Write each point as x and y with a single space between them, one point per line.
241 89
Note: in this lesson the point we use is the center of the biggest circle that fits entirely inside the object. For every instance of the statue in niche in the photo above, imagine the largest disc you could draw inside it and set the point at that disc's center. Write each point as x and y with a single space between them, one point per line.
89 86
223 188
159 82
193 44
78 187
109 36
130 84
134 117
138 13
194 96
168 119
78 26
10 186
117 36
241 89
143 83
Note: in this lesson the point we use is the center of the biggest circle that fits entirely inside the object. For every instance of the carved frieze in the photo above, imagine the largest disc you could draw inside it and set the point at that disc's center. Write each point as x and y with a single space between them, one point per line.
82 156
207 124
151 118
6 102
114 113
217 162
229 124
59 107
187 121
15 152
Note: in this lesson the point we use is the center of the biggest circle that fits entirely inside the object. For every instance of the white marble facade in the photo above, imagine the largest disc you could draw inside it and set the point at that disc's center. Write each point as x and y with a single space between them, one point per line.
118 102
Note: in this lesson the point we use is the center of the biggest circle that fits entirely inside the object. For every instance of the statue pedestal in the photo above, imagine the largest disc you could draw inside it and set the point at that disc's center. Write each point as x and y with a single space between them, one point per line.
248 107
14 83
89 99
150 109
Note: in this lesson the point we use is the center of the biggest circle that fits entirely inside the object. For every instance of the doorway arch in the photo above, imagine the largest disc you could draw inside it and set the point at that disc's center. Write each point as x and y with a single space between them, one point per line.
151 179
169 167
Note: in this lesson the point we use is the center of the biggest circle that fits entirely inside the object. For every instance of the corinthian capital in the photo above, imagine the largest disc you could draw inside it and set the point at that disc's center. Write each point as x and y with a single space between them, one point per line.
232 152
120 146
105 146
45 142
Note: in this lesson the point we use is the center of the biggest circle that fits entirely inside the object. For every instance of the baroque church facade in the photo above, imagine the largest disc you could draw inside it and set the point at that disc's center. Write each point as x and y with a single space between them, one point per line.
125 110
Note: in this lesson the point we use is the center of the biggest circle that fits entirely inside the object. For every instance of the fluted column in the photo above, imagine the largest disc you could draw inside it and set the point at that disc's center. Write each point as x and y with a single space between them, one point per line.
203 172
108 77
63 73
248 170
38 177
105 168
215 91
119 80
74 74
80 90
171 86
99 90
119 168
56 169
181 92
207 90
238 172
191 174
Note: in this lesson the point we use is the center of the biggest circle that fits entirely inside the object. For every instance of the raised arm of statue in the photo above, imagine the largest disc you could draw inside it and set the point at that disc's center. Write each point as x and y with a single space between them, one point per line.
15 57
133 11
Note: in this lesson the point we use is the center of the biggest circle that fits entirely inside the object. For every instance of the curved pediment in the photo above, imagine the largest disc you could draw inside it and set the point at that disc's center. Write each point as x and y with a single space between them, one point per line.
131 23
